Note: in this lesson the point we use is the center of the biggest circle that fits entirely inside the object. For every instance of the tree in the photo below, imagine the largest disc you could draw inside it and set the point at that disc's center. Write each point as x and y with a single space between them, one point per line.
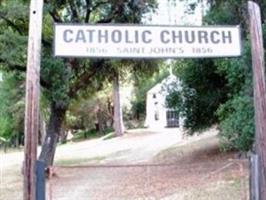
220 90
118 115
142 84
90 114
11 109
62 80
203 90
236 115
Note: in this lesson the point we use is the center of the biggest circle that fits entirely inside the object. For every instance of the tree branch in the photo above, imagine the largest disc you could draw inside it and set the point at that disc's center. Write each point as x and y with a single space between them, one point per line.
44 83
46 43
12 66
10 23
55 16
14 26
85 78
99 4
115 11
74 11
22 68
53 13
88 6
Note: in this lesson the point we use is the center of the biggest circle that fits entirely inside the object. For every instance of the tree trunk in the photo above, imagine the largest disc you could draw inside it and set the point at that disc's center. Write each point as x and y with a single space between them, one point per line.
100 121
42 130
110 108
63 136
52 134
118 117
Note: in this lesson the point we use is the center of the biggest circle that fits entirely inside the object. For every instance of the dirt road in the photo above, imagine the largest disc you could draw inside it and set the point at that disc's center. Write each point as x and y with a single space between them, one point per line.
148 165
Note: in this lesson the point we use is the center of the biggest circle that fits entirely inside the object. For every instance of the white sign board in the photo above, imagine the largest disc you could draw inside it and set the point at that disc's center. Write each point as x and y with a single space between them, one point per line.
137 41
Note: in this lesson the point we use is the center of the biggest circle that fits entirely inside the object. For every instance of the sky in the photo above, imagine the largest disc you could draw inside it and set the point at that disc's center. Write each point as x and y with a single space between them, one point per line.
169 13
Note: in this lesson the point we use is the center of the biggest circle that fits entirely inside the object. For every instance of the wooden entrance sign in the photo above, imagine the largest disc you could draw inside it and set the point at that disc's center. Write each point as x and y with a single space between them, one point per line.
139 41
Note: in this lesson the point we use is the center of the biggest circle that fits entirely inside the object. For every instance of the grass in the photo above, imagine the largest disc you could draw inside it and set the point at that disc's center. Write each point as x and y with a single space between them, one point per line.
79 161
92 134
10 150
109 136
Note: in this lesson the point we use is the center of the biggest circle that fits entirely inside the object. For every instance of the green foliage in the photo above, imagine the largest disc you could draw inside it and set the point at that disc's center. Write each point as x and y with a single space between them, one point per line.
11 109
220 90
57 76
13 41
85 112
81 135
203 89
13 47
142 85
91 134
236 116
6 128
175 99
236 123
229 12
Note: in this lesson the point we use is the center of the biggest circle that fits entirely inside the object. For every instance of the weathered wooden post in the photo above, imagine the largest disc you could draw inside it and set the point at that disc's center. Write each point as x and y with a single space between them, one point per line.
32 99
258 66
254 177
40 180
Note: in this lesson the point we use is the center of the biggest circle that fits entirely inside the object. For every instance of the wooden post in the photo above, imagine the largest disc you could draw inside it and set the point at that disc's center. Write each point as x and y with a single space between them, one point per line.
254 177
32 99
40 179
259 92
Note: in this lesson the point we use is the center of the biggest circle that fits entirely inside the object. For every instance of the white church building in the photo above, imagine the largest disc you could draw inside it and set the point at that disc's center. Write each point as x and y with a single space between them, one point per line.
157 114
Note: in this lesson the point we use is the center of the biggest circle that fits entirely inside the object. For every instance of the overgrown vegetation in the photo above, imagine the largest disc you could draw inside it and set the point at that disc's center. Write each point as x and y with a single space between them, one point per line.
220 91
11 110
203 89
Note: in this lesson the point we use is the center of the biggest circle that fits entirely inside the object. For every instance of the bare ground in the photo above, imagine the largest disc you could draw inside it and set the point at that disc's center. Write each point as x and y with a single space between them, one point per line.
142 165
146 165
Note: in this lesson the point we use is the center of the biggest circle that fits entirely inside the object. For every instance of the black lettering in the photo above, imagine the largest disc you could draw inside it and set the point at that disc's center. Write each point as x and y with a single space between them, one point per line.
80 36
136 37
90 35
163 35
144 37
177 35
213 38
116 36
203 35
190 39
66 34
227 37
103 35
127 40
